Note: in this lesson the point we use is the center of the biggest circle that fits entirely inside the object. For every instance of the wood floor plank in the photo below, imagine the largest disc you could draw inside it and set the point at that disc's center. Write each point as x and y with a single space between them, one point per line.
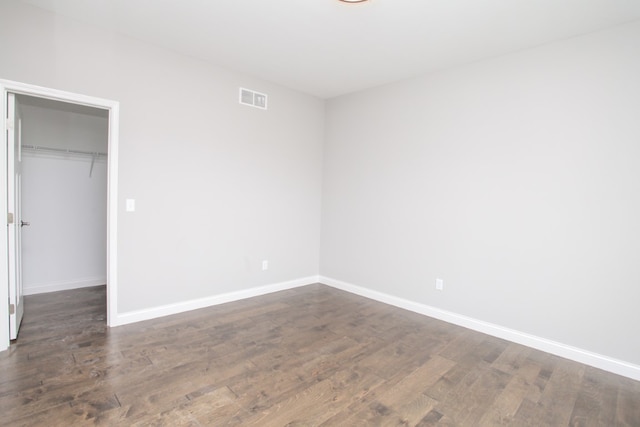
468 406
512 359
58 416
596 401
628 404
415 383
560 394
303 404
302 357
204 409
506 404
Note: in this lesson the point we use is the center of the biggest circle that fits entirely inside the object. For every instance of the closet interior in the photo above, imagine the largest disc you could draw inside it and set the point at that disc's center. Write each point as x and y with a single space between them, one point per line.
64 195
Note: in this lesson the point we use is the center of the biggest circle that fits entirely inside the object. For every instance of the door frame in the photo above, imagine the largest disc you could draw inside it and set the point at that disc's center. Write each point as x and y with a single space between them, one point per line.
113 107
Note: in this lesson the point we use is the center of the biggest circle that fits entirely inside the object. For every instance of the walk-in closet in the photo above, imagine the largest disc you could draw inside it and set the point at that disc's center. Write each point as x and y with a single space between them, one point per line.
64 195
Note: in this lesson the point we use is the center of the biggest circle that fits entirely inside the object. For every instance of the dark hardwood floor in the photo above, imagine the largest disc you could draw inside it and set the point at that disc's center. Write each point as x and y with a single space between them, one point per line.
304 357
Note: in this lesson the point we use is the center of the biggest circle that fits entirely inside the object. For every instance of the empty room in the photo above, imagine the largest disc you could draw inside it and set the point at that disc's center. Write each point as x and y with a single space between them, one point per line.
320 212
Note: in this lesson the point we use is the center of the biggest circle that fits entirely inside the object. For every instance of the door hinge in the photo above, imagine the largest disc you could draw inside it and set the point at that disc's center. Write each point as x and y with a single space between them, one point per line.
12 309
9 218
9 124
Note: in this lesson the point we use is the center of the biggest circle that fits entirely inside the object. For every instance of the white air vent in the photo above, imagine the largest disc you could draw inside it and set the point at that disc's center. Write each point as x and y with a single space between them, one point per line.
253 98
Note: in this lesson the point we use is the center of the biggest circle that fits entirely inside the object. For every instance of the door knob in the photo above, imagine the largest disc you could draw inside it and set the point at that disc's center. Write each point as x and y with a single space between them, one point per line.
24 223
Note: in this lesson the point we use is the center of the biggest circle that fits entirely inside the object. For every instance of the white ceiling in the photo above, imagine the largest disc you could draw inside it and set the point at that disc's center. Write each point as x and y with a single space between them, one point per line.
328 48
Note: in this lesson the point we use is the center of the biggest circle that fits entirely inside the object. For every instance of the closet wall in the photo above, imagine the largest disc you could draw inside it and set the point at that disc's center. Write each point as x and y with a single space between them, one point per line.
64 196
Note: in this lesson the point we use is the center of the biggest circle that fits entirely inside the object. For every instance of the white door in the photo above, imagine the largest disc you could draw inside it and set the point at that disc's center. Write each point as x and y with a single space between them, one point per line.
14 220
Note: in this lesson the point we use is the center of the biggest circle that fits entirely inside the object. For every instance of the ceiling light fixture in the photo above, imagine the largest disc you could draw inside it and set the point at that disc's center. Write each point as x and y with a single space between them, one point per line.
353 1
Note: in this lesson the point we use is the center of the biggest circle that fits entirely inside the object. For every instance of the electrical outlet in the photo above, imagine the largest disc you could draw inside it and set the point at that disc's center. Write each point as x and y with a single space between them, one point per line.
439 284
265 265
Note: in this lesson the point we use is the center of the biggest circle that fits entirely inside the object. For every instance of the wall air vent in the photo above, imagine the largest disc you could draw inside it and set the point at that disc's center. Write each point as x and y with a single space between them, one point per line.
253 98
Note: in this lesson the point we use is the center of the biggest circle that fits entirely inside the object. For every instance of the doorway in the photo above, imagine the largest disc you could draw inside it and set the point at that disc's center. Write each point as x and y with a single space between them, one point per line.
74 102
64 195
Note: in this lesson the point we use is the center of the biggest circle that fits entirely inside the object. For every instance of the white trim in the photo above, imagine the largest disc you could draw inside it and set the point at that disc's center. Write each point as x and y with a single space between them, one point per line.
606 363
112 214
181 307
65 285
113 107
4 235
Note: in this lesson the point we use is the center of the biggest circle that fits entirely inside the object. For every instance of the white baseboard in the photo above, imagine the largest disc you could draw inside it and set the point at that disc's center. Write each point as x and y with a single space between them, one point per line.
181 307
606 363
64 285
596 360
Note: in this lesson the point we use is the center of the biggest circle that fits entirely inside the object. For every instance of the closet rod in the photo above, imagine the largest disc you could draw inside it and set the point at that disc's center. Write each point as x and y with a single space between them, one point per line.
61 150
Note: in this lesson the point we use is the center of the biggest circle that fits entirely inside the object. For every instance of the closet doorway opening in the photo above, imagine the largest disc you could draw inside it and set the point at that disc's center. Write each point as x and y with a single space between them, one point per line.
60 183
64 195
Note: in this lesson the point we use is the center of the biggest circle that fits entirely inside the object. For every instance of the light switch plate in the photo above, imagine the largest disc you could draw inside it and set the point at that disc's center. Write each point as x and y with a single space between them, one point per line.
131 205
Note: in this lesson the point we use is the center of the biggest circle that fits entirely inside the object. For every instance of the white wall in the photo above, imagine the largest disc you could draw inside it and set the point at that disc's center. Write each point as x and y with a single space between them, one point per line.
65 245
57 124
516 180
218 186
